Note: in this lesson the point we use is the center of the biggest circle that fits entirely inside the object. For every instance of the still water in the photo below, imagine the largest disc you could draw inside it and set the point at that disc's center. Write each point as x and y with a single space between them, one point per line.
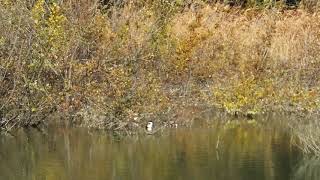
236 151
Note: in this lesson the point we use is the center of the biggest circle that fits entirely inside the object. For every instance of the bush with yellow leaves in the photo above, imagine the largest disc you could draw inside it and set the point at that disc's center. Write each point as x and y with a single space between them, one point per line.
120 66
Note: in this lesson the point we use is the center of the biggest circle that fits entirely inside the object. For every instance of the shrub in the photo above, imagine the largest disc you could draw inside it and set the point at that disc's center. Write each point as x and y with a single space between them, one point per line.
119 67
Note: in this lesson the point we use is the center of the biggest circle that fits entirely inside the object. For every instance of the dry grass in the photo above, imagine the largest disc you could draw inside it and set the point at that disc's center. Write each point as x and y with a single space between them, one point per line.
148 60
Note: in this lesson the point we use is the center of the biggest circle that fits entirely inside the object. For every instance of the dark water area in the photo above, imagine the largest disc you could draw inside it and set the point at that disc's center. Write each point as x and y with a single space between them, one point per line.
234 151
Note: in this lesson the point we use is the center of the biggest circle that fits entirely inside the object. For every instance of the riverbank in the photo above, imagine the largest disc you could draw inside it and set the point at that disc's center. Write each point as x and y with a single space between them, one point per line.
120 66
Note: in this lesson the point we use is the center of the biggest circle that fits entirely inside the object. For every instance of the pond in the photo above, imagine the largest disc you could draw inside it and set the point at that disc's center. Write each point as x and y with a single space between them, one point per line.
232 151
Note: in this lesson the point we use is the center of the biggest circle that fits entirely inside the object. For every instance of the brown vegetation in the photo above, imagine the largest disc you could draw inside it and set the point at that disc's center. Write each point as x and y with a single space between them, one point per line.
120 66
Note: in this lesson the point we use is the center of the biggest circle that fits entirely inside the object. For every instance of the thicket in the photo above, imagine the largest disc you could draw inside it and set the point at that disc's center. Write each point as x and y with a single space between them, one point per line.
118 64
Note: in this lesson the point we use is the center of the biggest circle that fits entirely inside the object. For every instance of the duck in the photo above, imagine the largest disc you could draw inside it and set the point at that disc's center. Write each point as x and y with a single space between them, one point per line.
149 126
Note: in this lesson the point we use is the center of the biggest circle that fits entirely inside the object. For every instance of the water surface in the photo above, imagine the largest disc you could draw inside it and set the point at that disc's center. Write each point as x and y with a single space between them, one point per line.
246 151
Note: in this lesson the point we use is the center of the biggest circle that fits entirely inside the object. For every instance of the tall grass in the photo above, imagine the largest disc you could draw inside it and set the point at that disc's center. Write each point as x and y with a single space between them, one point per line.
118 66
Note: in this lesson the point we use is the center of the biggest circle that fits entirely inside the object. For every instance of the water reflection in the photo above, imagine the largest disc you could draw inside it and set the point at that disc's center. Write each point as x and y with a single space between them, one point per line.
246 151
308 169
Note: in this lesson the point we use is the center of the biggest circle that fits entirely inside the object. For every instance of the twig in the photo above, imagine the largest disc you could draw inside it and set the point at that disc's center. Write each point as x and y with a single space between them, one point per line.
218 141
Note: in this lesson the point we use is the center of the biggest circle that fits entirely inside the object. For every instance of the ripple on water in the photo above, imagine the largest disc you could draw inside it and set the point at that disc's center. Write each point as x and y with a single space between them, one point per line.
244 153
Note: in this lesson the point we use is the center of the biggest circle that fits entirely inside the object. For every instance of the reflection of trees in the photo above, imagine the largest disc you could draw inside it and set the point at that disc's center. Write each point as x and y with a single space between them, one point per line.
246 151
308 169
261 152
307 130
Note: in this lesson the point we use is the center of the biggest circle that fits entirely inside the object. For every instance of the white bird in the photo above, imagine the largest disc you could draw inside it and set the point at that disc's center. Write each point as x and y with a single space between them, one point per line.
149 126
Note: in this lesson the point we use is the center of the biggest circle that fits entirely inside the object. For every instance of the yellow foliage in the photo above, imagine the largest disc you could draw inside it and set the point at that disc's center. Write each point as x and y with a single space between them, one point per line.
56 31
50 29
2 41
157 57
38 13
245 96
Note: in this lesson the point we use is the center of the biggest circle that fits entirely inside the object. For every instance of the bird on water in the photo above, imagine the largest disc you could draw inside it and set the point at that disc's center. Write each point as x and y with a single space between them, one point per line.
149 126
